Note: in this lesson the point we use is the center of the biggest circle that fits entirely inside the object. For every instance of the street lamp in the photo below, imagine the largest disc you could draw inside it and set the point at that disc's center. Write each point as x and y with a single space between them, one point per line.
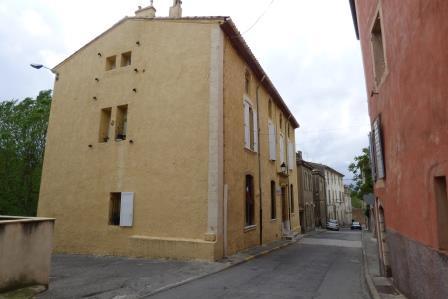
283 167
39 66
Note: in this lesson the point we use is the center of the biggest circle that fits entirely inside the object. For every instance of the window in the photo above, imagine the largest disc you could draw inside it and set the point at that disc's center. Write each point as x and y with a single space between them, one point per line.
105 117
247 83
250 127
271 140
282 148
281 121
291 192
250 201
111 63
121 123
291 155
121 209
273 201
126 59
442 211
378 149
379 61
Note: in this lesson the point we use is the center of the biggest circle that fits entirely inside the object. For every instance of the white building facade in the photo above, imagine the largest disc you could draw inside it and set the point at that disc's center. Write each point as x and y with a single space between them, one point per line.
335 195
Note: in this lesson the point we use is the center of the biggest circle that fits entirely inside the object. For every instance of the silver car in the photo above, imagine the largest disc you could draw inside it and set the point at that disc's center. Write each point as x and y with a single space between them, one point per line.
332 224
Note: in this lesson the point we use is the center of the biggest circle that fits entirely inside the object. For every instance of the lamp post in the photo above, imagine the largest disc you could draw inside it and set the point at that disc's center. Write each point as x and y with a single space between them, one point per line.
283 167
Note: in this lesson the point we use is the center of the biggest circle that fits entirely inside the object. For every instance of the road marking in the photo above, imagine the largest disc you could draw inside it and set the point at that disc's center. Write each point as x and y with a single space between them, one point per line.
331 242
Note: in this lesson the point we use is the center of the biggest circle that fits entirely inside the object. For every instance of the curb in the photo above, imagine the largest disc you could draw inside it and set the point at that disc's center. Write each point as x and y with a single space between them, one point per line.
370 285
230 265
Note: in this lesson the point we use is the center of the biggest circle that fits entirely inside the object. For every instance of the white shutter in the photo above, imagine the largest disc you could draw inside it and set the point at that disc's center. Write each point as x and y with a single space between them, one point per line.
126 208
271 130
290 156
255 131
246 126
282 149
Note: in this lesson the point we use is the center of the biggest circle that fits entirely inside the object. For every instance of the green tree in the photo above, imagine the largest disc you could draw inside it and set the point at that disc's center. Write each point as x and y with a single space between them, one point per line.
362 176
23 129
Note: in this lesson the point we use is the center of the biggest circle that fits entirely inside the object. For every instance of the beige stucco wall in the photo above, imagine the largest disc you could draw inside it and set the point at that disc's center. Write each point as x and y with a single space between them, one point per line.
25 251
166 166
240 161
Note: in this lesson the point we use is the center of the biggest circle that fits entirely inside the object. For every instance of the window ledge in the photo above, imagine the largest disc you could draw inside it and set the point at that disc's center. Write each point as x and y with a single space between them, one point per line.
250 228
250 150
274 220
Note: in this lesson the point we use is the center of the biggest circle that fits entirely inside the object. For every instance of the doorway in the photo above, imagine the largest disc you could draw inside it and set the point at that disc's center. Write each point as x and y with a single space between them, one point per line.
285 210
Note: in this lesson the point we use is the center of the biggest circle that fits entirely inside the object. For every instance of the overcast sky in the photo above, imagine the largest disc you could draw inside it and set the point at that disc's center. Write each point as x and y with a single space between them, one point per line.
307 47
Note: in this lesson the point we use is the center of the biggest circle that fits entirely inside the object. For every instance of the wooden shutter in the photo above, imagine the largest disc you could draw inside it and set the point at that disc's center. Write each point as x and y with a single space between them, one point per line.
255 132
127 209
271 138
290 155
379 159
372 156
246 126
282 149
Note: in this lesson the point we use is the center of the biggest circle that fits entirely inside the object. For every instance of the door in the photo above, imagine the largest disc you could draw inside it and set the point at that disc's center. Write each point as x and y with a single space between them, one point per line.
285 210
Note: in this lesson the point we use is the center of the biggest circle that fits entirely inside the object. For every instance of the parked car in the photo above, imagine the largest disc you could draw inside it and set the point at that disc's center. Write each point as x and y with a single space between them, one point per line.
355 225
332 224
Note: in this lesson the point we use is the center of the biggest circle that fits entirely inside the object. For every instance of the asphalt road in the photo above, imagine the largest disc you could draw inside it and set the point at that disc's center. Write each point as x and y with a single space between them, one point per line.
324 265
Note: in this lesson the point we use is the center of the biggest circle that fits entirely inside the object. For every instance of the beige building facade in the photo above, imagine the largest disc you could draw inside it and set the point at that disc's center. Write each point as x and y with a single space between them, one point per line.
167 139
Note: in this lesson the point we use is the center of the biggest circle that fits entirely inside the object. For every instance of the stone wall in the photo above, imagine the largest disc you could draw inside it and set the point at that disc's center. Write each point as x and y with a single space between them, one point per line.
25 251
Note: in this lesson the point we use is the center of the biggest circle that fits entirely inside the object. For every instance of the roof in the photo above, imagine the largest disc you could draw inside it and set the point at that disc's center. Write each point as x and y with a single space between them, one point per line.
355 17
325 167
238 42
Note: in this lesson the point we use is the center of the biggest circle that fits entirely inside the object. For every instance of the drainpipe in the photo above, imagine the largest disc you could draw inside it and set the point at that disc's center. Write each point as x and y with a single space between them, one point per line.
259 159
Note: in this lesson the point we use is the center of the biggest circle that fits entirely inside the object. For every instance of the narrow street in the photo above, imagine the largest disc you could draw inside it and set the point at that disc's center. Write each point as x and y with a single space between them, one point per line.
324 265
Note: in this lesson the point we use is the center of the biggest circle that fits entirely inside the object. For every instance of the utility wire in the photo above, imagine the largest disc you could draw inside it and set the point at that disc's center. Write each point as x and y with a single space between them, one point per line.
259 18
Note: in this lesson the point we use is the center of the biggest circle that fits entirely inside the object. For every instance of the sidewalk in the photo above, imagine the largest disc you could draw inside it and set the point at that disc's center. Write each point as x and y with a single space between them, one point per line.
379 287
81 276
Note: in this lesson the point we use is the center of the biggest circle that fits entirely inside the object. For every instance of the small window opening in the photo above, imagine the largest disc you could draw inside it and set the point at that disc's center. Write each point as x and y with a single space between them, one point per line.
281 121
250 202
111 63
247 83
126 59
105 124
442 211
273 202
114 208
378 50
121 123
270 108
252 130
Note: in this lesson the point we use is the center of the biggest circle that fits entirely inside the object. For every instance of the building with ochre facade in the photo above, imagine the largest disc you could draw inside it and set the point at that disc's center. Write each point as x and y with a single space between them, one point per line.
166 138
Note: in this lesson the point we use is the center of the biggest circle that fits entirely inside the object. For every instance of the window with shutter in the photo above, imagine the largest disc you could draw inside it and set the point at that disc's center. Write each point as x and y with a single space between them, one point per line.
378 146
246 126
372 156
291 159
271 138
255 132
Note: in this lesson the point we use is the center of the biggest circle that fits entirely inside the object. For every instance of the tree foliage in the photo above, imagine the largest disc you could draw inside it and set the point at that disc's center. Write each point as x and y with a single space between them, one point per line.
362 175
23 128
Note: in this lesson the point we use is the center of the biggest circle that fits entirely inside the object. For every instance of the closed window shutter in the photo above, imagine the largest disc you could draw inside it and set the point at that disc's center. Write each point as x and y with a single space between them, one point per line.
380 171
290 156
272 149
282 149
255 132
372 156
127 209
246 126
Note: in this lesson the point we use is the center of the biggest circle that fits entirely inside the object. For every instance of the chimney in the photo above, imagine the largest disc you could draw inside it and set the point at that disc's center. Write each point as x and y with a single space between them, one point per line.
147 12
176 9
299 155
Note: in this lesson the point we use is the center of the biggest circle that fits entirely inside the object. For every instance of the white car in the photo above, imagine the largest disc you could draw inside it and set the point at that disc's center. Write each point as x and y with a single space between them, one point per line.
332 224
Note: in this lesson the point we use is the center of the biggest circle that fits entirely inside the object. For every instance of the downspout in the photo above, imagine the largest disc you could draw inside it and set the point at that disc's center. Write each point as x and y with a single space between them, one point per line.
259 160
